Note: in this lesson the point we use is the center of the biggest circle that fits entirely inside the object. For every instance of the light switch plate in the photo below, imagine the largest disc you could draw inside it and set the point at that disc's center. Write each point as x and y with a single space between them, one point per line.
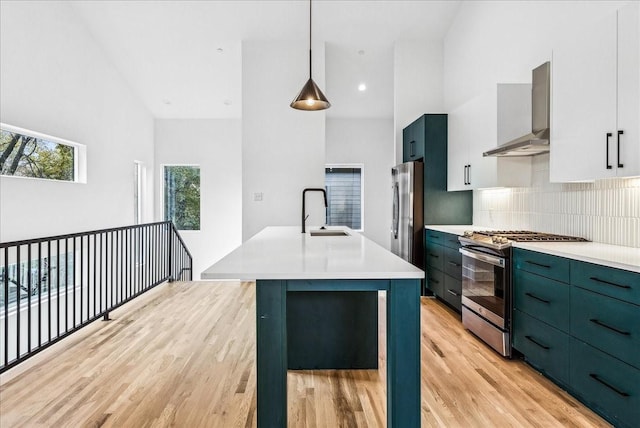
257 197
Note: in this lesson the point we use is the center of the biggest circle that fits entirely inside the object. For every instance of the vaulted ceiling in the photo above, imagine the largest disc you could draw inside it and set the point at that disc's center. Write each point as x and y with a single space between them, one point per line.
184 58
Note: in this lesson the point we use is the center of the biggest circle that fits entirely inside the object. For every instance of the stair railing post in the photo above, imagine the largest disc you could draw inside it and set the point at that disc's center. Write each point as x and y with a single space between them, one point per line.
170 264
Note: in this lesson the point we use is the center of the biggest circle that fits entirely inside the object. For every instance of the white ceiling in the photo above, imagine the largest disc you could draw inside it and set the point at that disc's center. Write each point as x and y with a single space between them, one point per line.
168 51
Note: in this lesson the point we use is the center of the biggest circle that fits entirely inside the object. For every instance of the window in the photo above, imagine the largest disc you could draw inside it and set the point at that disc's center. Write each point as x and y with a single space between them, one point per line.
182 196
30 154
344 195
139 172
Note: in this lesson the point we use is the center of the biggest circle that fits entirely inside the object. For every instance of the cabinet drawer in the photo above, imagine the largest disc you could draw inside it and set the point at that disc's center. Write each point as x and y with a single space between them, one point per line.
435 281
618 283
608 324
451 241
435 236
609 386
542 298
453 262
545 347
542 264
447 239
434 255
452 293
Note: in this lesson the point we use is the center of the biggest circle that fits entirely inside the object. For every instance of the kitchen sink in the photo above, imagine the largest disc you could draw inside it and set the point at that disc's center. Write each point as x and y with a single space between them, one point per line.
326 232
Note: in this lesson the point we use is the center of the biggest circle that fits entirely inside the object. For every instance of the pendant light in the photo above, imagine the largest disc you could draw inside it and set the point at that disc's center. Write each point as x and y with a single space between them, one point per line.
310 97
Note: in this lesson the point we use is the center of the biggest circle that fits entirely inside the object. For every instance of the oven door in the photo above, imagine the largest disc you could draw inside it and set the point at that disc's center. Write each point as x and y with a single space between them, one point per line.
484 280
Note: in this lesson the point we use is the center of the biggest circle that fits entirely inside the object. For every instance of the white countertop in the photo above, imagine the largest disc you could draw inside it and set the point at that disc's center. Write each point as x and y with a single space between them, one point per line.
283 252
616 256
627 258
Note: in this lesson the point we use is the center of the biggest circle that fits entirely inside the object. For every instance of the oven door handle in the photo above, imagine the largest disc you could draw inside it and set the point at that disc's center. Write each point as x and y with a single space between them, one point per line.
496 261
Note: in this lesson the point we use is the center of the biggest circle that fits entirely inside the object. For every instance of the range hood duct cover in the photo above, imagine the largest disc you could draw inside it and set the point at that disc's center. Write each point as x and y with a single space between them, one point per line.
536 142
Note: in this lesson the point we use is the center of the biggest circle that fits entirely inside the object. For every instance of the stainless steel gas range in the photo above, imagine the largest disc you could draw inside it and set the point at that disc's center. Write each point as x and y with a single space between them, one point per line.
486 282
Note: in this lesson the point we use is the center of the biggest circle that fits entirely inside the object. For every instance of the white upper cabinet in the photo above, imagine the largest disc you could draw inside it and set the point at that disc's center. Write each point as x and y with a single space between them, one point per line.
457 149
473 130
596 101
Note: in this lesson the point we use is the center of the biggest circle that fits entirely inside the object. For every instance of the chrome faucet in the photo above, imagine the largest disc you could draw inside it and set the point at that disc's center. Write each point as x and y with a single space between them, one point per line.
304 214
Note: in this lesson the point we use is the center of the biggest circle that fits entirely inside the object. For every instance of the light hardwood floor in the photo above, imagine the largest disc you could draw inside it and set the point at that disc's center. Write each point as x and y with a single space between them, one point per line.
184 356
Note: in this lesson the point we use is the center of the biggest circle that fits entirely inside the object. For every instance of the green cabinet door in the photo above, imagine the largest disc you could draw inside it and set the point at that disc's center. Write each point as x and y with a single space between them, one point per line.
546 265
611 325
413 139
606 384
618 283
543 346
542 298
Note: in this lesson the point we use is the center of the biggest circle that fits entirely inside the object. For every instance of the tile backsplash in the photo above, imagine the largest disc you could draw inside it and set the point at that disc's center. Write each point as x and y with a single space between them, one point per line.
606 211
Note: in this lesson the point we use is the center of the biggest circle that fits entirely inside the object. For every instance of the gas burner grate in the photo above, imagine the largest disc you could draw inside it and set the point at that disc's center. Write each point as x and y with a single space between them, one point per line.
528 236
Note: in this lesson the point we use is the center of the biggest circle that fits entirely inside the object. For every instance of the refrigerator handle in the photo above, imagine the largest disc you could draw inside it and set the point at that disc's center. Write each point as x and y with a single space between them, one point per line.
396 210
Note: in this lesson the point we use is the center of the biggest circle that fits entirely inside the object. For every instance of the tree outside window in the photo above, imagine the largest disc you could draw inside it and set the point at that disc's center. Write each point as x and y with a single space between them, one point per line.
24 155
182 196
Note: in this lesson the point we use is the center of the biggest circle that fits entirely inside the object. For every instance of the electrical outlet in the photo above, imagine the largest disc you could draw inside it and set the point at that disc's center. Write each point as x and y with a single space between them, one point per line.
257 197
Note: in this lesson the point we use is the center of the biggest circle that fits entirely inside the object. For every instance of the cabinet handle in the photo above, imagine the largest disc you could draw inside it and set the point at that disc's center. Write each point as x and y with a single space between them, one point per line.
537 264
601 324
453 263
611 387
411 152
465 175
469 174
434 255
450 291
537 298
620 132
532 340
434 280
608 136
593 278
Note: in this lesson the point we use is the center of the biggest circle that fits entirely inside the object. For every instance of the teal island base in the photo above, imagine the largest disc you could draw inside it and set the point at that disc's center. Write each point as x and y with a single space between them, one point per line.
342 315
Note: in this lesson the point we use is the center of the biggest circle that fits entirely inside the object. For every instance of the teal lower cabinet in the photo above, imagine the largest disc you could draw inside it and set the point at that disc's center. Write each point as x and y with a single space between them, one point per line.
452 293
542 298
435 281
611 325
579 324
605 384
546 348
443 265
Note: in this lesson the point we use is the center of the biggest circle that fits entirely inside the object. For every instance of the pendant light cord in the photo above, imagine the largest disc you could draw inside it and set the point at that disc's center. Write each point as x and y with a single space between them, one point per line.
309 39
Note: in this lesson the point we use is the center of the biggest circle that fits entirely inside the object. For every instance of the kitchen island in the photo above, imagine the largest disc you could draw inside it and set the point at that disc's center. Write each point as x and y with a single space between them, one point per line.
313 287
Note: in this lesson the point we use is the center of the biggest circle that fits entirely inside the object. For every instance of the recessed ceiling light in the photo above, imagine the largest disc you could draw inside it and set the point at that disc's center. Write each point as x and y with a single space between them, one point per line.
362 87
220 50
166 102
227 102
360 52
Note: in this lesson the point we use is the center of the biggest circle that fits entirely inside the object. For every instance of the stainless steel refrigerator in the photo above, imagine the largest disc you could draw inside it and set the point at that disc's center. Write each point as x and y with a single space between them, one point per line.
407 227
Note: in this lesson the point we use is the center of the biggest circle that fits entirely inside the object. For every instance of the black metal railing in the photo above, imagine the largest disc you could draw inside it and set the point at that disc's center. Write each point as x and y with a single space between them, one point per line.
52 287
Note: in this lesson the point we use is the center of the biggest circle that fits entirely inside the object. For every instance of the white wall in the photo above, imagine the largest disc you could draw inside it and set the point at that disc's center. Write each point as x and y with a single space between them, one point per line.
418 84
55 79
214 145
283 150
493 42
369 142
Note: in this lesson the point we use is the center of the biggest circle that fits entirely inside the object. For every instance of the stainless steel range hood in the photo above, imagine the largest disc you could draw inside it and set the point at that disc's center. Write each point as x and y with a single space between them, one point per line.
536 142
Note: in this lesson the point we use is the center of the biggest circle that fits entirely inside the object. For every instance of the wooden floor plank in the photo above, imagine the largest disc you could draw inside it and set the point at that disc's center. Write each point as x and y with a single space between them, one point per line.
184 356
